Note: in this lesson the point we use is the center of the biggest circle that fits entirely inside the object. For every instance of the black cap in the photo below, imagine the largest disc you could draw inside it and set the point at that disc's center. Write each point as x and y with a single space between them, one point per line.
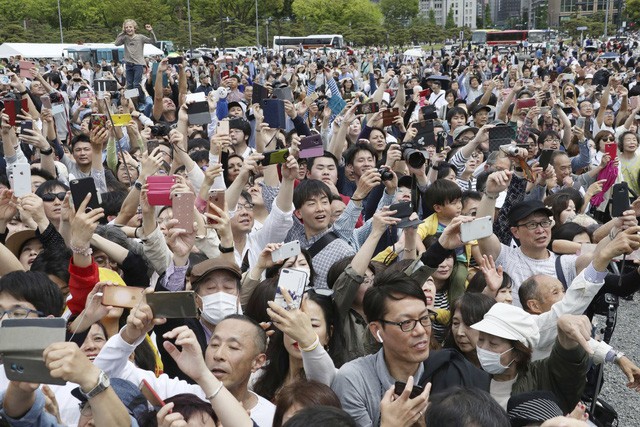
523 209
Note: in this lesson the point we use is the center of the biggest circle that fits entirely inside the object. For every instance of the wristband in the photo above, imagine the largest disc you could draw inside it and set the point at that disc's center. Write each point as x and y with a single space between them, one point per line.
81 251
46 152
23 93
313 346
225 250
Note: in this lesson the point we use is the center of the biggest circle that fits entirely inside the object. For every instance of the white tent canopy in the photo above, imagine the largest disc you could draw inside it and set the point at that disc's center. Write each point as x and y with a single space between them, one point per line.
57 50
33 50
415 52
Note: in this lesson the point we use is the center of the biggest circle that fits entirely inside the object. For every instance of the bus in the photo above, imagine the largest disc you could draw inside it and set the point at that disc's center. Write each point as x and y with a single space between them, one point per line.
479 37
506 38
317 41
540 38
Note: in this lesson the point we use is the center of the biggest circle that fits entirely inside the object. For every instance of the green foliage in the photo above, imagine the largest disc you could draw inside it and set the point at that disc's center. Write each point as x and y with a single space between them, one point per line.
486 22
432 18
450 22
633 11
594 24
362 22
398 11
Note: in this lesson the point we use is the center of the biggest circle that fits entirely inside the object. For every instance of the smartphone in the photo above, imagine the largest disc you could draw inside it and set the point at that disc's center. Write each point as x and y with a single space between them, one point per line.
259 94
122 296
619 199
294 282
388 116
22 343
633 102
611 148
217 198
545 159
198 113
311 146
21 179
173 305
544 110
79 190
525 103
175 60
404 209
274 113
46 101
150 394
10 109
159 190
225 74
5 80
368 108
415 391
98 120
274 157
479 228
223 127
183 204
120 119
283 93
286 251
580 121
527 82
310 99
26 124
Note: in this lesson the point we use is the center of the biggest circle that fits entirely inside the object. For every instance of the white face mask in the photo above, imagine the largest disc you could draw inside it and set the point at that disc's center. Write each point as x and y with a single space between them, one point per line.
490 361
219 305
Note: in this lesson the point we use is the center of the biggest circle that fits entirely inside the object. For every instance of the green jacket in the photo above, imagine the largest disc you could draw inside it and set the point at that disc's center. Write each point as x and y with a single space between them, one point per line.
563 373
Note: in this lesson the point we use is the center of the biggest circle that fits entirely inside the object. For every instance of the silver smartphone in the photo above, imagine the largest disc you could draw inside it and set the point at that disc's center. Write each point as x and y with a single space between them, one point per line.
285 251
479 228
294 282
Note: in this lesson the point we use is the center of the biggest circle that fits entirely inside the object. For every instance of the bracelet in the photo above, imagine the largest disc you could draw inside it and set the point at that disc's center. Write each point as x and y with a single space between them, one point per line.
215 393
490 197
23 93
81 251
313 346
46 152
353 199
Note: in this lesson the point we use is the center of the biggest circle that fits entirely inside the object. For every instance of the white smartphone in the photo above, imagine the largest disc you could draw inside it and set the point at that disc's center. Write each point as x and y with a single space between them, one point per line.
479 228
285 251
21 179
294 282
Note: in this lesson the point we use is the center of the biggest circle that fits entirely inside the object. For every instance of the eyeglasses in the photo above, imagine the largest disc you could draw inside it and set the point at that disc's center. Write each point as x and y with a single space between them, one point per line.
609 138
246 206
410 325
533 224
50 197
552 141
19 313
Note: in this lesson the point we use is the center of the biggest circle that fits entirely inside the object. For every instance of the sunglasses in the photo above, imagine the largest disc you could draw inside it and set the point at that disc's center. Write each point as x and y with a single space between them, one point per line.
609 138
50 197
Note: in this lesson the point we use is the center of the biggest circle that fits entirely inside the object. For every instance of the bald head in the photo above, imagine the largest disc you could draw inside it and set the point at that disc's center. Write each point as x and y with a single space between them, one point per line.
538 293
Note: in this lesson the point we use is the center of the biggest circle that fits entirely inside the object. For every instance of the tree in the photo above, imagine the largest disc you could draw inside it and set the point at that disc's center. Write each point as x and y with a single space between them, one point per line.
431 18
398 11
488 23
633 11
451 22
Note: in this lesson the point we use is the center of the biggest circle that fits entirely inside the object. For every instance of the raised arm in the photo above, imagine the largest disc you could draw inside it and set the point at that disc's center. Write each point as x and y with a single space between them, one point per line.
157 96
497 182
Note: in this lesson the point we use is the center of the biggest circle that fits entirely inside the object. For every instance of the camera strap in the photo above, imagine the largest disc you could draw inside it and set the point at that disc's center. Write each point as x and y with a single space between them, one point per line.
415 194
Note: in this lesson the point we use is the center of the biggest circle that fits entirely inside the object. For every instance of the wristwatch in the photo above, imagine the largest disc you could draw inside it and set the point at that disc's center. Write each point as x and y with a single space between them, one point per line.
225 250
138 185
103 384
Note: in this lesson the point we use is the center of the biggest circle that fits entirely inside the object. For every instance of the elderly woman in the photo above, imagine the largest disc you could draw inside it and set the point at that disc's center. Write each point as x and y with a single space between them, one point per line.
507 335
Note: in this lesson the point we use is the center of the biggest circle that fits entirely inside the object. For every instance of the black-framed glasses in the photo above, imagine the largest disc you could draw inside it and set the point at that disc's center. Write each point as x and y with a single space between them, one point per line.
50 197
246 206
533 224
19 313
410 324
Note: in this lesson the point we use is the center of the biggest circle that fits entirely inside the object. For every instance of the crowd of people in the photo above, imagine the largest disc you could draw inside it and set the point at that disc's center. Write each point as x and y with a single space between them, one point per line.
404 320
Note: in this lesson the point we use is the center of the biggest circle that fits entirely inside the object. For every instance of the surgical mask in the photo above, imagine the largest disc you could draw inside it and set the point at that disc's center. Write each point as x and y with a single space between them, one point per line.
490 361
219 305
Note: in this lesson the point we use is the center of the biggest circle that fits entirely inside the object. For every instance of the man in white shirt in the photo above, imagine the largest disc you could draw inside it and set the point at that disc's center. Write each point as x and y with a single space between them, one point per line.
437 98
236 350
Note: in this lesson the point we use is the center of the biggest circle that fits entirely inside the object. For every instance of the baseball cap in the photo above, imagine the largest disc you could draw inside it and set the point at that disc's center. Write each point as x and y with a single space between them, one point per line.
521 210
200 270
479 108
511 323
234 104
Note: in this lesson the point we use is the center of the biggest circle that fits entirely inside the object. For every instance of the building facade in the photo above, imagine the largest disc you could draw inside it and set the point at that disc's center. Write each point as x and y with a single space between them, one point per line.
464 11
